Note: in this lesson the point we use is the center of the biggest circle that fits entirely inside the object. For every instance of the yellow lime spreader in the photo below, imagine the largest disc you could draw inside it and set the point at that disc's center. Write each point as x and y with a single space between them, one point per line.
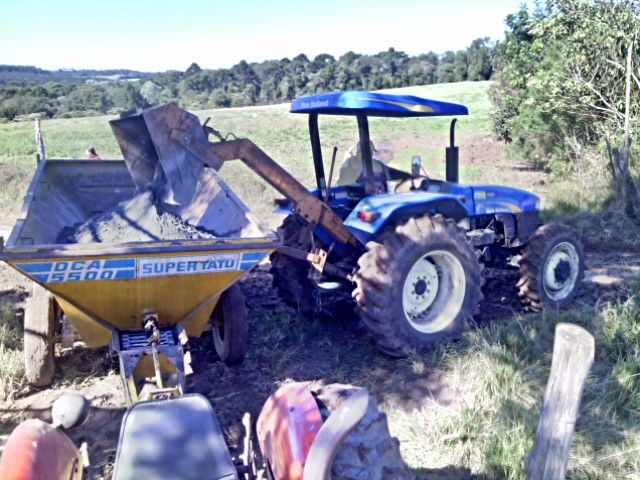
139 254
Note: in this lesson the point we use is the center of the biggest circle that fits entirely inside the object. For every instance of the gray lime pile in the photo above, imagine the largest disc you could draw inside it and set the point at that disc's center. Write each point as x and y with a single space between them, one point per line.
138 219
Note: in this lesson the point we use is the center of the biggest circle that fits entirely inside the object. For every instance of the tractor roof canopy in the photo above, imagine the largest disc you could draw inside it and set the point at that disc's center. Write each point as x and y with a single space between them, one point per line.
375 105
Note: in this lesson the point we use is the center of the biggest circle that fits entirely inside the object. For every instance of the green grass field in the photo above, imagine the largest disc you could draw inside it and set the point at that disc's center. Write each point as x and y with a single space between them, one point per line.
283 135
495 374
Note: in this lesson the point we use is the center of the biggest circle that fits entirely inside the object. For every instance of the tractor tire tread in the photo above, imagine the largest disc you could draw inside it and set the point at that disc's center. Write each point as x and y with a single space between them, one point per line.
377 275
290 274
531 263
369 452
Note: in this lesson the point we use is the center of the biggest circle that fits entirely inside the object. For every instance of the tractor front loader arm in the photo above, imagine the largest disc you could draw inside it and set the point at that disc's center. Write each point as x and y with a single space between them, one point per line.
307 206
185 130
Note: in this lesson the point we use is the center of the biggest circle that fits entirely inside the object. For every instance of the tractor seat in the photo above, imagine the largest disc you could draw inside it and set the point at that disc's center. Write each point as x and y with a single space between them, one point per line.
175 439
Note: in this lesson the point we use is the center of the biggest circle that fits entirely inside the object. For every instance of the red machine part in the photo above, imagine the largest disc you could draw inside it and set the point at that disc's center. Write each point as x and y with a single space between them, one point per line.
35 451
286 428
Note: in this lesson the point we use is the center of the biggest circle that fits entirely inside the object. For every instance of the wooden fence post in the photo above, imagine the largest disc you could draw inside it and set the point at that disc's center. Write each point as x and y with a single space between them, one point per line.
573 354
39 141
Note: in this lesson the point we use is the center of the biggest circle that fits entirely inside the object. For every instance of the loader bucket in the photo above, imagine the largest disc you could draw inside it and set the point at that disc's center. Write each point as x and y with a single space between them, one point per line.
104 287
153 145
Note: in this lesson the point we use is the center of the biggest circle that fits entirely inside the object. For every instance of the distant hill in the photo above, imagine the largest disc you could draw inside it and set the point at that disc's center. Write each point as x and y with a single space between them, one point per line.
18 74
27 90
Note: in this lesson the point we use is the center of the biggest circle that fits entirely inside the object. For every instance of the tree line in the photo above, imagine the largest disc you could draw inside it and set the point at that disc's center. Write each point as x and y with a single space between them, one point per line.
20 74
245 84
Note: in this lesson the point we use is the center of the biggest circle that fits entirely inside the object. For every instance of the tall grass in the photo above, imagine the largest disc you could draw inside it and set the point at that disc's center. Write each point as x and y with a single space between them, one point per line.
501 372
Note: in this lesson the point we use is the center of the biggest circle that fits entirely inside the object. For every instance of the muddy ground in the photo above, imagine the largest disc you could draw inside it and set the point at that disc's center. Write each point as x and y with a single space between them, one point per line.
276 353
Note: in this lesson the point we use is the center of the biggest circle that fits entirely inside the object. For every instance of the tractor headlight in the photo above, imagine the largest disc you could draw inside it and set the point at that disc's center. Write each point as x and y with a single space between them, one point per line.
367 216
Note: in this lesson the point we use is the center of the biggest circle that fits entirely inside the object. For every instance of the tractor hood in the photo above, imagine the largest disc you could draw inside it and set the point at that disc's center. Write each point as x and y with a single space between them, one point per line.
373 214
490 199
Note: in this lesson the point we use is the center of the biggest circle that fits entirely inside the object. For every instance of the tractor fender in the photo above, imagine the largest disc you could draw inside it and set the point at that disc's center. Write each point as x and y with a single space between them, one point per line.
389 209
36 450
286 428
333 433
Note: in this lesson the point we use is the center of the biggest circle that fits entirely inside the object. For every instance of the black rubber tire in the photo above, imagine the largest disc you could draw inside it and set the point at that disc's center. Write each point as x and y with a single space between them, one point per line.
39 329
531 283
230 326
369 452
382 272
290 275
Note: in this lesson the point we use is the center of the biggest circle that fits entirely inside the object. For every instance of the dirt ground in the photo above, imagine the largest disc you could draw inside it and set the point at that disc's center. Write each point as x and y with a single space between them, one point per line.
233 390
283 346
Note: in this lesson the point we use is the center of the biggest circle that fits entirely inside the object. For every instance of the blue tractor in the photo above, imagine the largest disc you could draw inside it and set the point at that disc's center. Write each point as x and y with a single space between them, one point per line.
408 250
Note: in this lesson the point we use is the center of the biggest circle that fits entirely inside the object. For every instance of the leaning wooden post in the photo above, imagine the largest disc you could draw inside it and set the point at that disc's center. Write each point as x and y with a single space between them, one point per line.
39 142
573 352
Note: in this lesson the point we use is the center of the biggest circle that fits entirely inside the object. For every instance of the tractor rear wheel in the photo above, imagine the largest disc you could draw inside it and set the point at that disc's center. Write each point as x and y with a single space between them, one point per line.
369 451
39 328
551 268
419 285
290 275
230 326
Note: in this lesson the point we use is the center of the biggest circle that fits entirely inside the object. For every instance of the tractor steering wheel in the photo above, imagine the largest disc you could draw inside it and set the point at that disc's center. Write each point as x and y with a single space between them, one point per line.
384 170
422 178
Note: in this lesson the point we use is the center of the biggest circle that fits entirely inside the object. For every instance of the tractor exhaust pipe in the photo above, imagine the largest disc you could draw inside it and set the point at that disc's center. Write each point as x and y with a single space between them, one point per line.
452 155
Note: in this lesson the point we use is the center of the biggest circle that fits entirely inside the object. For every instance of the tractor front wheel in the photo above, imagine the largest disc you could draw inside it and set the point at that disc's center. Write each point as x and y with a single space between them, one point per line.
39 328
551 268
230 326
419 286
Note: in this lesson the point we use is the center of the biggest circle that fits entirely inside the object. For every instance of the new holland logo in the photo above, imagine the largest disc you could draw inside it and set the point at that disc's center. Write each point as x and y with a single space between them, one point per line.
124 269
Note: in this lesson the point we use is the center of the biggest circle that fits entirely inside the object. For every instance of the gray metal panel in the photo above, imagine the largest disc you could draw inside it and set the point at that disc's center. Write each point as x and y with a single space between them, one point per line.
137 148
181 168
175 439
159 144
66 192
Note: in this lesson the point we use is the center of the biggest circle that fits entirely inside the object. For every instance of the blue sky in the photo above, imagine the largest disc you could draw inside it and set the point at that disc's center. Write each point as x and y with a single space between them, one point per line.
154 35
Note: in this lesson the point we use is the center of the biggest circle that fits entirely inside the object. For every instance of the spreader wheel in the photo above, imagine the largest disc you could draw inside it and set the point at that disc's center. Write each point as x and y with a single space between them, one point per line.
230 326
39 329
551 268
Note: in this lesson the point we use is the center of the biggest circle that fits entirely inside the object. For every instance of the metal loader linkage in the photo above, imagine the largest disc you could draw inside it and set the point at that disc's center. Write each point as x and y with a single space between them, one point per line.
169 126
309 207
